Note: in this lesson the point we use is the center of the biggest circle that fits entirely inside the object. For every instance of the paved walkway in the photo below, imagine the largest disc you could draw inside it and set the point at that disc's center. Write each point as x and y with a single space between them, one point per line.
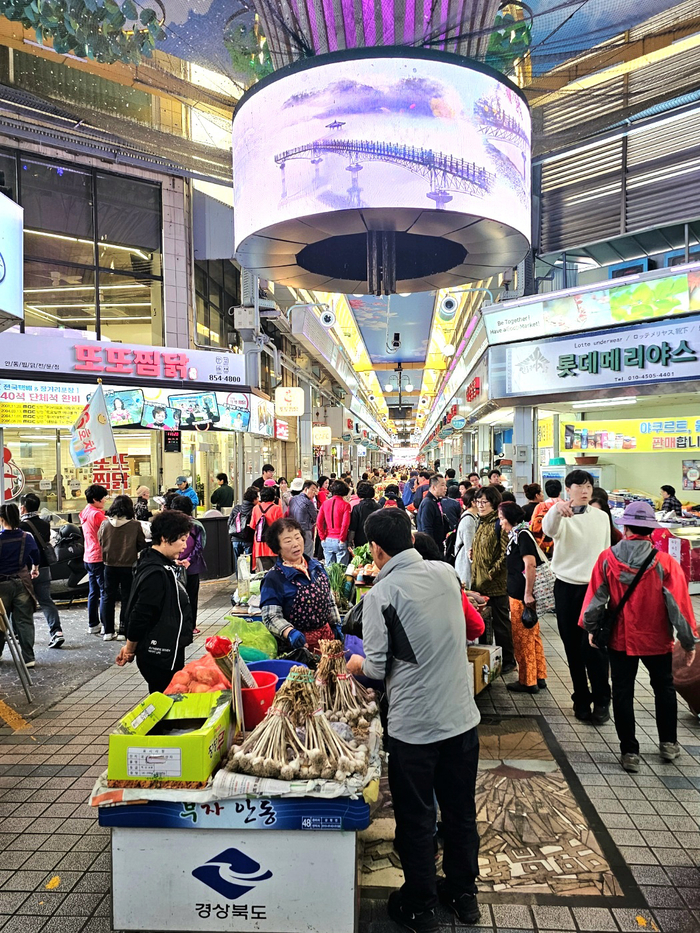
54 858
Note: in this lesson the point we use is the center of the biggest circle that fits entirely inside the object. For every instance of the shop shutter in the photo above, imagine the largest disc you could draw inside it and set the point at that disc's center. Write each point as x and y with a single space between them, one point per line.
581 197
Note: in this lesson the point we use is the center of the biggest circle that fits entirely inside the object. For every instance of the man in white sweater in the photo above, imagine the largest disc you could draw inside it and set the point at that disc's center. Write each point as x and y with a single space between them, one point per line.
580 533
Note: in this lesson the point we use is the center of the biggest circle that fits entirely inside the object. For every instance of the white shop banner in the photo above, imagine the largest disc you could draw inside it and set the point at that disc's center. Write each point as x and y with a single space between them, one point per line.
626 356
233 880
70 353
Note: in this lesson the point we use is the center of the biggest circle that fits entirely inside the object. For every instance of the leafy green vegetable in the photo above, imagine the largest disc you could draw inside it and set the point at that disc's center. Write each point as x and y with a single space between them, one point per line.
363 555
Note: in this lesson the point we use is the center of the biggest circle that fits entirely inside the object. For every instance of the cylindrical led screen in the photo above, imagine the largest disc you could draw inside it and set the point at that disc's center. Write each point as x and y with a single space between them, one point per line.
426 145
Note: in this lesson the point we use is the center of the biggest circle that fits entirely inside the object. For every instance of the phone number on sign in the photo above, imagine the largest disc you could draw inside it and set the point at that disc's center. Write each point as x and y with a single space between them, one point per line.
215 377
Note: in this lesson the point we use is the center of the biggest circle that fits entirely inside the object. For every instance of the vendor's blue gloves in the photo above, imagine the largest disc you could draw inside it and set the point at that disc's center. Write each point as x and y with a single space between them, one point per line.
338 633
296 639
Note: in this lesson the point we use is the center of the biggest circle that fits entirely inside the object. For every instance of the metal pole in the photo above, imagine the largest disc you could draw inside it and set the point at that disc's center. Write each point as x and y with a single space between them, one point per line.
59 477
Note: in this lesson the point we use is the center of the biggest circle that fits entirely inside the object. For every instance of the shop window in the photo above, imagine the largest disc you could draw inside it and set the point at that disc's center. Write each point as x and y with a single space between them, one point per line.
59 296
65 256
217 288
128 226
131 309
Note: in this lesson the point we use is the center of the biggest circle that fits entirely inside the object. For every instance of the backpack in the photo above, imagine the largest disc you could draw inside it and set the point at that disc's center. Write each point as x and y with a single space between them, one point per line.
261 524
451 542
390 503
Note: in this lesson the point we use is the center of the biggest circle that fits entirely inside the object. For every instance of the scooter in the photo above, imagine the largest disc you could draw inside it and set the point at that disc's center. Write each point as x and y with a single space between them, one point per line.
69 580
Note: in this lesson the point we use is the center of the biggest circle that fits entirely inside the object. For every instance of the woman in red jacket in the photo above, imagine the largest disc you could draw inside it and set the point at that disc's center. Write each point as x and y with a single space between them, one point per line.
334 523
643 630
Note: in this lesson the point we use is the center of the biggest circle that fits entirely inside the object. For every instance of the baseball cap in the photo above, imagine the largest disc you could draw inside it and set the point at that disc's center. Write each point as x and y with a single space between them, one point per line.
297 484
180 479
640 514
270 482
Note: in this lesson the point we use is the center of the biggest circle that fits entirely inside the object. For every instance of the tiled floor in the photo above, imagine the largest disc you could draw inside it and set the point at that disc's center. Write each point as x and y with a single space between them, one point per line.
54 858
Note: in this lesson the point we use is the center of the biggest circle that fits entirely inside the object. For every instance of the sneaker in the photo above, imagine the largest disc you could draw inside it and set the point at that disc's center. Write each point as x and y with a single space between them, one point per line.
56 640
517 687
601 713
121 637
630 762
583 714
465 907
109 636
423 922
542 684
94 629
669 751
30 663
195 631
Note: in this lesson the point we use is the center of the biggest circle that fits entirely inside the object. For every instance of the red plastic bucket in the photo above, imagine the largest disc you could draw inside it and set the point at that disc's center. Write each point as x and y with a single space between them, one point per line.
257 700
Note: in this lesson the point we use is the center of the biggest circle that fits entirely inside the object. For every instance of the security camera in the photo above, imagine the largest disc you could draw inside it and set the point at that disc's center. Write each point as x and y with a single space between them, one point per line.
448 307
396 342
328 318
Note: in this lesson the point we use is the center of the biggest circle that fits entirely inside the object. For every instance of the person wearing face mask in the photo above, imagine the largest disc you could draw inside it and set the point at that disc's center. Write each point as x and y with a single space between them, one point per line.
580 534
295 596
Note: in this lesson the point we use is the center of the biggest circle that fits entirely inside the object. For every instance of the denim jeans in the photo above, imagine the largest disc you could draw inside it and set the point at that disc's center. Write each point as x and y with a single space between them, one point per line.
96 583
239 548
42 591
335 551
20 608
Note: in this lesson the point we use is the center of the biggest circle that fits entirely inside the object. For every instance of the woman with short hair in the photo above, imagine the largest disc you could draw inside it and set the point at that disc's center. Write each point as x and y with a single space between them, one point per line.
121 538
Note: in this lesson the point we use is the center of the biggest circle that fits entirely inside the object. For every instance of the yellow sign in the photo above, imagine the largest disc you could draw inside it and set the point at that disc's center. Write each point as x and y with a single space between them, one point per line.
14 414
658 435
545 432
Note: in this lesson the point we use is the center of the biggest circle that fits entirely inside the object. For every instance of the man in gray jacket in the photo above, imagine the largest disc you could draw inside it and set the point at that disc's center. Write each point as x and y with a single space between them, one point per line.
303 510
414 639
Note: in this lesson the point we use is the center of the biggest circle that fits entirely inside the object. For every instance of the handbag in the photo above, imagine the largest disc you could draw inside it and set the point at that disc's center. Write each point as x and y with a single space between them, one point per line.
543 590
529 617
601 636
46 546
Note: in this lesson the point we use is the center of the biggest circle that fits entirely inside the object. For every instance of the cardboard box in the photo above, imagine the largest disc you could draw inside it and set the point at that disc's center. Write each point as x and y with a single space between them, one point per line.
171 738
487 661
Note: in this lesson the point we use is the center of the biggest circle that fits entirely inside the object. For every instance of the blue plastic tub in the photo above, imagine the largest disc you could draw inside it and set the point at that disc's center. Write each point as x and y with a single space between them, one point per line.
281 668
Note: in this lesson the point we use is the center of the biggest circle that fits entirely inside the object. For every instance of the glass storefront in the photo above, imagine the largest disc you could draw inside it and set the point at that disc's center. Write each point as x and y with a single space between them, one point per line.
92 248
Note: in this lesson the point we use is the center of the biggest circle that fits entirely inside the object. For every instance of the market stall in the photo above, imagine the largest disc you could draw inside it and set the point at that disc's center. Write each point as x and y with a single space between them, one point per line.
218 827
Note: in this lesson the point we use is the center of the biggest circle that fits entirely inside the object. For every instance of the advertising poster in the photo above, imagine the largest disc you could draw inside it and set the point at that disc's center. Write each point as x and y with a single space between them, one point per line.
160 417
262 417
40 404
631 436
124 407
234 411
691 474
196 409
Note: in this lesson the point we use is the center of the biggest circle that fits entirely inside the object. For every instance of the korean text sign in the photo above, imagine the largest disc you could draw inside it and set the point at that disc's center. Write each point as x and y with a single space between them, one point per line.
625 357
627 436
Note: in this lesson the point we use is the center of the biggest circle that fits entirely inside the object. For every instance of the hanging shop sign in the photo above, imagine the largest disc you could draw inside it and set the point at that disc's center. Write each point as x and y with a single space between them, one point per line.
357 438
346 438
281 430
625 357
446 431
630 300
458 423
40 404
321 435
289 401
473 390
628 436
25 354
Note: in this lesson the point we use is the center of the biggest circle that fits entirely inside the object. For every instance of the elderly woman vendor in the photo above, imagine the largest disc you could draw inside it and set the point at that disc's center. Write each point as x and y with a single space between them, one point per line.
295 597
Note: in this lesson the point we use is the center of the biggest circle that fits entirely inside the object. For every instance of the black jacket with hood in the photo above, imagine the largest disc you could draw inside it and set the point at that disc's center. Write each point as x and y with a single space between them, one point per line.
159 616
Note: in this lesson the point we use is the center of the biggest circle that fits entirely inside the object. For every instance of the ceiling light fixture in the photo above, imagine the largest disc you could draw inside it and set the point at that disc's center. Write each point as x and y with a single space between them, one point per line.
448 349
409 387
389 387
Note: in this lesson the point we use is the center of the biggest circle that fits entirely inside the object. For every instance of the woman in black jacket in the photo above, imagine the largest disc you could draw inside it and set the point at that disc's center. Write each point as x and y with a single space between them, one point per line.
158 617
358 516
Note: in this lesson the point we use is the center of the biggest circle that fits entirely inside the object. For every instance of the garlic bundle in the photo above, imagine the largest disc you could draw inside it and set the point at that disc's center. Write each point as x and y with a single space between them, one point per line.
343 698
275 750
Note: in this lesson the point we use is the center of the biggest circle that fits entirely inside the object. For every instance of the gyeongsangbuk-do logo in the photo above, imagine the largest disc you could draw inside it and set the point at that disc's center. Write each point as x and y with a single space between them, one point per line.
231 873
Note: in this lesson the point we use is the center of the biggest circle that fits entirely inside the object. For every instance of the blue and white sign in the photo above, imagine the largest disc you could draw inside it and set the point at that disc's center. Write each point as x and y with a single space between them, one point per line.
233 880
458 423
624 358
11 262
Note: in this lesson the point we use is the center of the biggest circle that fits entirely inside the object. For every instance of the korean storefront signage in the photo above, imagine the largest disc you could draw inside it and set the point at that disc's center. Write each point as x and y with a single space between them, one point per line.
289 401
630 300
25 355
321 435
262 417
473 390
281 430
11 258
625 357
40 404
628 436
112 473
